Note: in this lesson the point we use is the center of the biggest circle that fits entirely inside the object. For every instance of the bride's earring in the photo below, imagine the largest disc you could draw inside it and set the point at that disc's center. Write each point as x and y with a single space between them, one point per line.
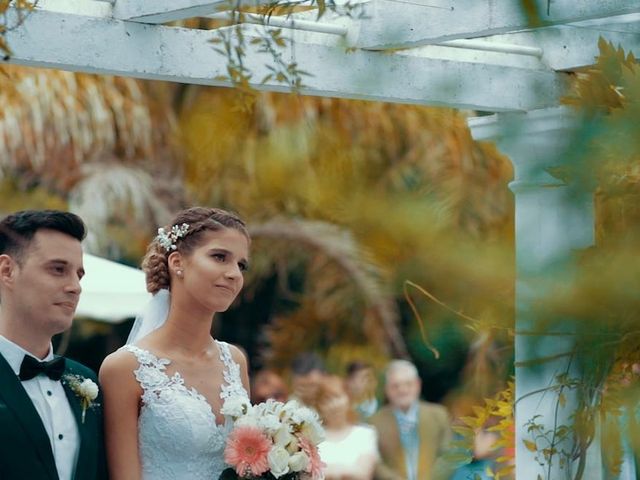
179 273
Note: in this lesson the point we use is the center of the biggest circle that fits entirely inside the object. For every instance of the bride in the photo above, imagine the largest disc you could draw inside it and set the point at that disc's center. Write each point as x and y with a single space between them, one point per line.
163 391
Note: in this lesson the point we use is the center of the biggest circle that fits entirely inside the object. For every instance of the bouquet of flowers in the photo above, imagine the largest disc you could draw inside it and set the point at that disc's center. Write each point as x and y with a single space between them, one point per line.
272 440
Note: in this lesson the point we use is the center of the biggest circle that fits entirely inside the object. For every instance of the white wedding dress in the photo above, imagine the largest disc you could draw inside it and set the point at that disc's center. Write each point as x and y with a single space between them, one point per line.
178 436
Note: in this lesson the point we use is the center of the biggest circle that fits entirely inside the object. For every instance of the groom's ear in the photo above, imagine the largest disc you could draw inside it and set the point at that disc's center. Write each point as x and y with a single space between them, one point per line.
7 270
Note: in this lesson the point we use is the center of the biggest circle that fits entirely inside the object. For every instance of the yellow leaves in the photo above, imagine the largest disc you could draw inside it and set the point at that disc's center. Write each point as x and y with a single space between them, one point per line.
499 407
503 409
464 431
562 399
14 198
473 422
531 446
532 10
611 59
601 87
612 434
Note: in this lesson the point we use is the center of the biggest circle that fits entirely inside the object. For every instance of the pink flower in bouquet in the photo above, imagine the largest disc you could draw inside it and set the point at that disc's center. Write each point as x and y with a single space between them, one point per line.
246 451
316 465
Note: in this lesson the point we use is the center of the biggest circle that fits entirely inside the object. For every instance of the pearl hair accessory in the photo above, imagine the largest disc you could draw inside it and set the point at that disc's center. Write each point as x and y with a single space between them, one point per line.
168 239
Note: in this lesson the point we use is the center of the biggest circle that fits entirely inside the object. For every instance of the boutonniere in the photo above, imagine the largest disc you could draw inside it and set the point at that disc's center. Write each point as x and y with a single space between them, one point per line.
85 389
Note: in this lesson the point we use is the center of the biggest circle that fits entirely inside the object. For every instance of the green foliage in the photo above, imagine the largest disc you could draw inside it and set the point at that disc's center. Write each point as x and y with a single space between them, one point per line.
599 301
14 196
607 85
233 39
601 294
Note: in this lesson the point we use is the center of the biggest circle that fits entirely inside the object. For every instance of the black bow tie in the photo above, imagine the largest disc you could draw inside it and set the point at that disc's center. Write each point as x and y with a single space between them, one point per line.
31 368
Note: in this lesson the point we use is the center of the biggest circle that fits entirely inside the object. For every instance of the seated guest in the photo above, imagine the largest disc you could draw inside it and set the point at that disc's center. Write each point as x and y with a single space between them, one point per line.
361 386
412 434
349 451
307 371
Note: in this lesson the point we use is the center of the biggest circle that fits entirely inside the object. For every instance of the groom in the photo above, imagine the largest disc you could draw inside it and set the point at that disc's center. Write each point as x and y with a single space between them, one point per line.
46 433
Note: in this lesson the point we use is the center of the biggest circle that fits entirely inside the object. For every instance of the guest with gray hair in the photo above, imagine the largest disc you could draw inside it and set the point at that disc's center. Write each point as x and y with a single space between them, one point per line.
412 434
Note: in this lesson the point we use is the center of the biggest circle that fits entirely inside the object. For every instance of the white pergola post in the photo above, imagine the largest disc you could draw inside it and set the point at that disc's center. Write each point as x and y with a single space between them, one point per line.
552 220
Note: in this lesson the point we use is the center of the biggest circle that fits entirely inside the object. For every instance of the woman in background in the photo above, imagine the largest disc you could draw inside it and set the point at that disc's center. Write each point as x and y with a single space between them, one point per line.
350 451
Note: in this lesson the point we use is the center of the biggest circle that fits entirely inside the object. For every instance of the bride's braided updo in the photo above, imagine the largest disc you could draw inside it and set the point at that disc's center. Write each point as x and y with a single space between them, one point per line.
200 220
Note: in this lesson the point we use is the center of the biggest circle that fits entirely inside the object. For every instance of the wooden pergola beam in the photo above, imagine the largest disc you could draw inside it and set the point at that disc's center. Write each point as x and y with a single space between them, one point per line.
391 24
112 47
163 11
567 48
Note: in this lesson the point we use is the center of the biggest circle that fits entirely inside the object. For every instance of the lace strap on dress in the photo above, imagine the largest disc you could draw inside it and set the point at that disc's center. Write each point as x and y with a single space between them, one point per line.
151 368
232 385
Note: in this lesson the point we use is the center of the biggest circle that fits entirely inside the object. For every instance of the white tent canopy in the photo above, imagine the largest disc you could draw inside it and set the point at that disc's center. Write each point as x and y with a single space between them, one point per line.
111 291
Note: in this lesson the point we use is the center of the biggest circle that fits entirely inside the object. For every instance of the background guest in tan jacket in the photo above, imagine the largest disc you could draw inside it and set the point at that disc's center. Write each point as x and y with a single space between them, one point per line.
412 434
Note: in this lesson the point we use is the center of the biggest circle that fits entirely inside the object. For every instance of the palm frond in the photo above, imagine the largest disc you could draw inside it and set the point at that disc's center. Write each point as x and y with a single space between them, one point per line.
52 122
334 248
112 191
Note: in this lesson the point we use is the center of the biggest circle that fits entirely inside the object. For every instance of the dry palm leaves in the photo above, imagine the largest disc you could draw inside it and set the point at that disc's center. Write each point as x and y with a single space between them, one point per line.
53 122
343 287
94 141
384 148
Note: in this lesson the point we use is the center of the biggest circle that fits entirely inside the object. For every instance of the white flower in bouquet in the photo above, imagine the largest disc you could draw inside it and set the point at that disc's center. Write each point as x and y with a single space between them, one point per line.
272 406
236 406
293 446
313 431
259 409
278 461
308 424
248 420
289 409
304 415
283 436
298 462
269 422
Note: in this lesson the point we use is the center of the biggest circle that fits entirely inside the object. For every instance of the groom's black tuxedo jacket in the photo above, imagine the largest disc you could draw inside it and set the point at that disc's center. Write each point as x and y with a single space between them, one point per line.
25 448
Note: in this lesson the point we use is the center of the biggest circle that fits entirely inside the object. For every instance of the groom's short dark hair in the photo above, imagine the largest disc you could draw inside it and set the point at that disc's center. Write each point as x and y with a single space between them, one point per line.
18 229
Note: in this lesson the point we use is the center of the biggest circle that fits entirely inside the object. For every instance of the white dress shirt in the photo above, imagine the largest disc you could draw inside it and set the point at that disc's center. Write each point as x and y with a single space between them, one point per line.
51 403
409 437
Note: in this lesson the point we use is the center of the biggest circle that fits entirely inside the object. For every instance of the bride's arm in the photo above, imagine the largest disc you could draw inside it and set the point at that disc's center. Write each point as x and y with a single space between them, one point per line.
121 407
240 358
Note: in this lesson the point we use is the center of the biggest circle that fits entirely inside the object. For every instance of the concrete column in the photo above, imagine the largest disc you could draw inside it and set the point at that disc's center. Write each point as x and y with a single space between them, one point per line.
553 219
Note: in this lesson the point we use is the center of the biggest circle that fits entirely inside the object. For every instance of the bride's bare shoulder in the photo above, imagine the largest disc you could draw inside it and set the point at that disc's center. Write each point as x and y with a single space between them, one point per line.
118 366
238 354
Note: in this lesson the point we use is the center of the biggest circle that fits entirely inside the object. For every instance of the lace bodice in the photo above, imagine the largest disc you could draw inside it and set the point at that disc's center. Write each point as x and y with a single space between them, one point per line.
178 436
